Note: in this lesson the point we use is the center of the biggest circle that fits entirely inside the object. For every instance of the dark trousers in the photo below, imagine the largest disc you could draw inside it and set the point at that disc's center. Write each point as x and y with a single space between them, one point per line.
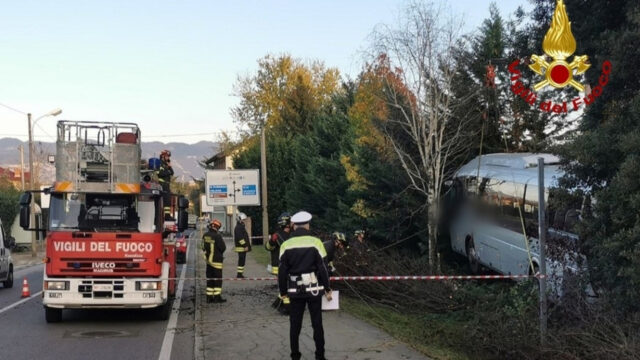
275 257
242 258
166 198
214 287
295 320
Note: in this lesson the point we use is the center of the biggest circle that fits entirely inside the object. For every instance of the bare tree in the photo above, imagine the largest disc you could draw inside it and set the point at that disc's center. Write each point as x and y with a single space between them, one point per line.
424 125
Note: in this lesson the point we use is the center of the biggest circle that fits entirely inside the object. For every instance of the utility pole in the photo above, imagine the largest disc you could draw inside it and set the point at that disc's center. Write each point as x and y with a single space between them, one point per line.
542 231
32 216
263 176
21 149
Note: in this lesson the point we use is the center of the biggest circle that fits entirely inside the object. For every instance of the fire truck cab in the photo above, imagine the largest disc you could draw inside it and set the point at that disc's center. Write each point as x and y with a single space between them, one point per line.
108 243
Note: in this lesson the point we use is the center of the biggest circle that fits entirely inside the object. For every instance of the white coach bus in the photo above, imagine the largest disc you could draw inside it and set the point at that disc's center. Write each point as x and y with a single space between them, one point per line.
495 218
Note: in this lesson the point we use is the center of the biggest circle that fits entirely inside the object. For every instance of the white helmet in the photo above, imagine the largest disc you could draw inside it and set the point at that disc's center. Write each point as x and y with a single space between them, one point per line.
242 216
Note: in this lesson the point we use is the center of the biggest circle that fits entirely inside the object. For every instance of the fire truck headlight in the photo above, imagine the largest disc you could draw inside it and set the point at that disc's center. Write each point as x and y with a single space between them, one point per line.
56 285
148 285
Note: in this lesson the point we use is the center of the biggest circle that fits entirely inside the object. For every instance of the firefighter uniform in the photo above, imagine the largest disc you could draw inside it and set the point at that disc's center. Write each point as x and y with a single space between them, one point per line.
165 172
214 247
277 239
330 248
303 277
337 241
273 246
242 244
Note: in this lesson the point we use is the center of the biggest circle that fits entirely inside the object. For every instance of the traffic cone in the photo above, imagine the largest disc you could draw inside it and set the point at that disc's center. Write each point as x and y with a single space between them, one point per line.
25 289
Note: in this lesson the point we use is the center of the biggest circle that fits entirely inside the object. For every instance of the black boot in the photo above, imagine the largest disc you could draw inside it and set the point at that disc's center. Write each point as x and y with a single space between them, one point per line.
219 299
210 299
240 276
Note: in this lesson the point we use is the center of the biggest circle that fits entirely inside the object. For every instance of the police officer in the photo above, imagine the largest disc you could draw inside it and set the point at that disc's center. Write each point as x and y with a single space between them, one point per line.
165 171
214 247
242 243
337 242
303 277
273 245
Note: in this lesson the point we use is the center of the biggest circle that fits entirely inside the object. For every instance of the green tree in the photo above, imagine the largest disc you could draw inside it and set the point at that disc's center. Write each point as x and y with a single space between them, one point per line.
605 157
9 206
286 96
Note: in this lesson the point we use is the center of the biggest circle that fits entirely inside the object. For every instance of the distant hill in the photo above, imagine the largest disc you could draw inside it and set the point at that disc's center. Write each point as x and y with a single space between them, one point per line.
184 157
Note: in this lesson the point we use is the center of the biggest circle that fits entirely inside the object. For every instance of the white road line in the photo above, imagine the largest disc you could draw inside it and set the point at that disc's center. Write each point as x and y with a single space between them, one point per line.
20 302
167 343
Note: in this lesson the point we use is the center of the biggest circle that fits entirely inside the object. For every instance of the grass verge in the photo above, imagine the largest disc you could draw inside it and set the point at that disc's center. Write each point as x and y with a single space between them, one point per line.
423 333
260 254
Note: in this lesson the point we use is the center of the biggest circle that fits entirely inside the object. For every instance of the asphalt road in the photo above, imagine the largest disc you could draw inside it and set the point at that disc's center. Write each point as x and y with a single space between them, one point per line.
93 334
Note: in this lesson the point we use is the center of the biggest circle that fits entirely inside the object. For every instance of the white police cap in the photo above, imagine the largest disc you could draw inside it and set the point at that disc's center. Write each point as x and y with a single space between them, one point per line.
301 217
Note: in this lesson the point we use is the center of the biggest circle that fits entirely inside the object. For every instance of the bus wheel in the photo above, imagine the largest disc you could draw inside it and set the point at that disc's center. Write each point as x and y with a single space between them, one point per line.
472 256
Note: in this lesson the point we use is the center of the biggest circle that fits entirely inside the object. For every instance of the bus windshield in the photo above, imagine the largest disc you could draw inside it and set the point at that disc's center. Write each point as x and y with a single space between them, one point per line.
103 212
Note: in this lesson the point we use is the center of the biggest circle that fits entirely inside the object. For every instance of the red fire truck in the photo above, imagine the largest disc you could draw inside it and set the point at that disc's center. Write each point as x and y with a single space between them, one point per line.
108 244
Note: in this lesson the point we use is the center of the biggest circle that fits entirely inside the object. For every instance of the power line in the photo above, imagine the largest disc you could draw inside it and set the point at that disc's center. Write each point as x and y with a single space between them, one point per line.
194 134
12 108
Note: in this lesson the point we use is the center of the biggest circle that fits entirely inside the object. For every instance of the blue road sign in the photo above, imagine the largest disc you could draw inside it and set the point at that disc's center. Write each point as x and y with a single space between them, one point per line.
248 190
217 191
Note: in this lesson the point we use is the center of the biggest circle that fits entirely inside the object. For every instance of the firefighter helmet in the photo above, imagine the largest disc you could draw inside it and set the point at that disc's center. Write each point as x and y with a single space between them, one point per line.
215 224
358 232
340 237
242 216
284 219
166 153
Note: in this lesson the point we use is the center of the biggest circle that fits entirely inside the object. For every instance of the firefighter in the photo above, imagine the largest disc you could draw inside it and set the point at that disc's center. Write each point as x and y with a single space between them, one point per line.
359 248
337 242
303 277
273 245
165 171
280 236
358 243
214 247
242 243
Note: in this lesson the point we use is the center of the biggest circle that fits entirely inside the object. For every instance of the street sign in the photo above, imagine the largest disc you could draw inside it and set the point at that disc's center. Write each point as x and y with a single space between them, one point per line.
232 187
205 208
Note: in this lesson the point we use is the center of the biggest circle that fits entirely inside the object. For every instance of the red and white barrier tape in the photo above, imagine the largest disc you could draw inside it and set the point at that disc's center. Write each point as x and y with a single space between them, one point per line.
387 278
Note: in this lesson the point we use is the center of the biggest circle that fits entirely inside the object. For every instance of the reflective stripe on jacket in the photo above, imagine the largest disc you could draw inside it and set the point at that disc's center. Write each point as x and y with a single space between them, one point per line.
301 254
214 247
241 238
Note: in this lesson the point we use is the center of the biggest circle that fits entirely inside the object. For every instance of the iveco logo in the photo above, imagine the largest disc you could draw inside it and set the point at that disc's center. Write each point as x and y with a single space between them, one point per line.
103 265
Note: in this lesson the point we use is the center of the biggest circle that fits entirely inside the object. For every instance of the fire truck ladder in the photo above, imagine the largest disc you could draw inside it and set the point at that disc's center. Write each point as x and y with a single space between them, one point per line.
98 156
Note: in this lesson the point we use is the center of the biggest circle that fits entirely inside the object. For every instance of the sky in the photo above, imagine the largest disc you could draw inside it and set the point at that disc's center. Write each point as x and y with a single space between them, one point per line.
170 66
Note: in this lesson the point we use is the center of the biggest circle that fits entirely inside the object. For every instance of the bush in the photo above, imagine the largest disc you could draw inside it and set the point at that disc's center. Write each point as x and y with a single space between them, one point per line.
9 203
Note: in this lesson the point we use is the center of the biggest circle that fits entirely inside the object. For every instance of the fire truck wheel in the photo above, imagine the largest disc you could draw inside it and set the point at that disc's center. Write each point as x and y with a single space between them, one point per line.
9 282
52 315
181 258
162 312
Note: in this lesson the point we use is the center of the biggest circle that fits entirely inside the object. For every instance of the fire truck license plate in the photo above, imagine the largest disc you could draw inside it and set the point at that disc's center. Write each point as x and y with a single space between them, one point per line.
102 287
148 295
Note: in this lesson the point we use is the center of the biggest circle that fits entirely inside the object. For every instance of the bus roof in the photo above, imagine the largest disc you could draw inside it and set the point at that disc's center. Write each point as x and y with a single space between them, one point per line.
517 167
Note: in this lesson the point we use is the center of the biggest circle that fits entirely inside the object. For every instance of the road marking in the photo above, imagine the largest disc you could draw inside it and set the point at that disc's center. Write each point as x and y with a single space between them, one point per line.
169 334
20 302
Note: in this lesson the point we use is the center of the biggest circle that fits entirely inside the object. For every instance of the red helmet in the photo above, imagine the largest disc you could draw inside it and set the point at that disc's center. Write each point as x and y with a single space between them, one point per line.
215 223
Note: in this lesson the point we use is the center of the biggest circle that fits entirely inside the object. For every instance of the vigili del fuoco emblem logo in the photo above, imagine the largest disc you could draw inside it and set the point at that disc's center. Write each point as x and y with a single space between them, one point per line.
558 45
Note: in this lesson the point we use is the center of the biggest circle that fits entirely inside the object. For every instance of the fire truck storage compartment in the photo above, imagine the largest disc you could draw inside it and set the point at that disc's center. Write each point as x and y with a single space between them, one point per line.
169 245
